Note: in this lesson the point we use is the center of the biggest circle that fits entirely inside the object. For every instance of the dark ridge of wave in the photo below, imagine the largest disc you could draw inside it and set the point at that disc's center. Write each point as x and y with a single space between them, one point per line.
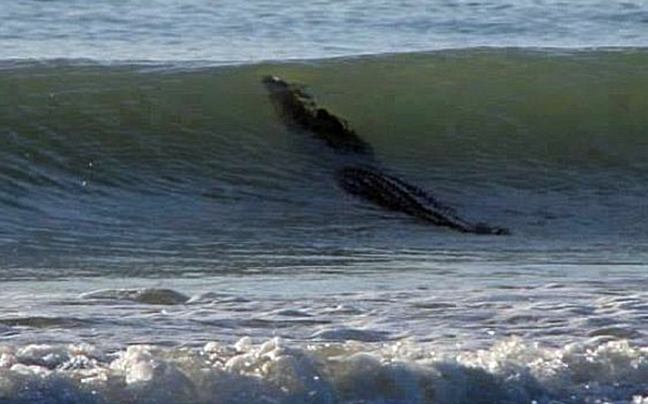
45 322
157 296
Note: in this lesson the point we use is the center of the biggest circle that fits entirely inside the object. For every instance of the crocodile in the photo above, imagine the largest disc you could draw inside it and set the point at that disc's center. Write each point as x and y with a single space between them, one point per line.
368 180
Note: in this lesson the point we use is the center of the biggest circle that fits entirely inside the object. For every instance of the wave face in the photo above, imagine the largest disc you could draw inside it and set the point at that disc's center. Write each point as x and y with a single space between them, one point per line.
183 163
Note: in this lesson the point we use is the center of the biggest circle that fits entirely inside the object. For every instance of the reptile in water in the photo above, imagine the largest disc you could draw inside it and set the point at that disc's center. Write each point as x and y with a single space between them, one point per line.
298 109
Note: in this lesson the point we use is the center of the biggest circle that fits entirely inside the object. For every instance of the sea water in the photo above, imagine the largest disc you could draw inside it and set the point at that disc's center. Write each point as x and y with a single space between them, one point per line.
165 238
253 30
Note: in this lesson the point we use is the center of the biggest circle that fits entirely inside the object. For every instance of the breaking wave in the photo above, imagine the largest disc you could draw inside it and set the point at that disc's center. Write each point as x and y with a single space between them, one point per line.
277 372
169 162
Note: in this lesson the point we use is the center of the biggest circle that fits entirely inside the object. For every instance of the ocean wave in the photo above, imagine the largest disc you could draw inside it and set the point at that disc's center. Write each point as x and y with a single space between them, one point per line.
152 159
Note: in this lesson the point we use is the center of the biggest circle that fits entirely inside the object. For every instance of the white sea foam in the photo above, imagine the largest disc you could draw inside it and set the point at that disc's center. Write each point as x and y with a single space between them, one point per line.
512 371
